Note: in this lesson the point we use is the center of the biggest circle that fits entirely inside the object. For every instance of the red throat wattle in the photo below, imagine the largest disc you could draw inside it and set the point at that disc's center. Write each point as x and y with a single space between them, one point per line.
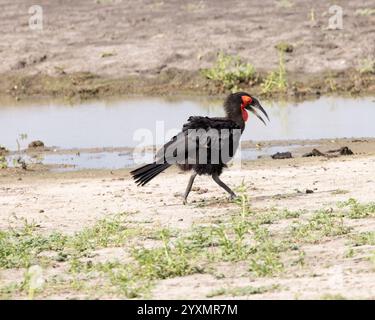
246 100
245 115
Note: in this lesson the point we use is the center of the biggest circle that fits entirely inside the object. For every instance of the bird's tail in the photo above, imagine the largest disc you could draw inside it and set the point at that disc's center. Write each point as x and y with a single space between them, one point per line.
146 173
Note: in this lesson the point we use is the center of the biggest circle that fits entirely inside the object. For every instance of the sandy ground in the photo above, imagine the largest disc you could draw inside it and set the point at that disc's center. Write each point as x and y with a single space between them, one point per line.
88 195
148 36
67 202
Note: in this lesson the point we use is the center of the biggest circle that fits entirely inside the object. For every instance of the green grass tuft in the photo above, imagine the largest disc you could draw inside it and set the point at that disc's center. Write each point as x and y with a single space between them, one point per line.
364 238
241 291
321 225
358 210
330 296
276 81
230 71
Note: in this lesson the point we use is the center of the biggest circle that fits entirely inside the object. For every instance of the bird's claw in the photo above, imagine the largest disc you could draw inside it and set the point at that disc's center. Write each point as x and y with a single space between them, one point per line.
232 197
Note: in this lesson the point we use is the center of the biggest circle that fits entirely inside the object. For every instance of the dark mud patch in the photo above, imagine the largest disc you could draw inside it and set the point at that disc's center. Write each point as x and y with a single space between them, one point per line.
343 151
282 155
36 144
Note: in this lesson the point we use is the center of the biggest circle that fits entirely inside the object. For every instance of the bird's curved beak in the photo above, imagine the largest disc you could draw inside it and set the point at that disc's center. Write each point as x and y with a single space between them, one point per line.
256 105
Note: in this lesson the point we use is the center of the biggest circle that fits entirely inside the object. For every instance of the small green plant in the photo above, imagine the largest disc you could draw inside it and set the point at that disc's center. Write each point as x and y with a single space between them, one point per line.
284 4
265 261
230 71
8 291
301 258
21 137
231 240
339 191
20 160
33 281
372 257
241 291
284 47
364 238
20 248
288 214
111 231
321 225
349 253
272 215
107 54
331 83
3 162
330 296
276 80
127 278
357 210
170 260
312 15
367 66
365 12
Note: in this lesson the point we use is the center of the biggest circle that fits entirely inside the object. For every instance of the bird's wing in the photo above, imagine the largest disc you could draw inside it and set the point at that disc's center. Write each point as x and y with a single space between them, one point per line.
200 134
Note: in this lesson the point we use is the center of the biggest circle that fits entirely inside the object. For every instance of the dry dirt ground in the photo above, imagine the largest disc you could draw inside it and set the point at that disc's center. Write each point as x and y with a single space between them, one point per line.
332 258
145 36
169 41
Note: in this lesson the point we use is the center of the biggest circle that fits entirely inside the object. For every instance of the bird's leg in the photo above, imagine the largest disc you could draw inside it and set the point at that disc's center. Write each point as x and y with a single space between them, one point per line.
216 178
188 188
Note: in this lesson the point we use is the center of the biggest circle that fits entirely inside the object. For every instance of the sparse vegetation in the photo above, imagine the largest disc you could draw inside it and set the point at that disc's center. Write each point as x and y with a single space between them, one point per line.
230 71
356 210
339 191
364 238
107 54
244 237
266 258
3 162
321 225
365 12
331 83
276 81
241 291
329 296
284 4
284 47
367 66
170 260
20 248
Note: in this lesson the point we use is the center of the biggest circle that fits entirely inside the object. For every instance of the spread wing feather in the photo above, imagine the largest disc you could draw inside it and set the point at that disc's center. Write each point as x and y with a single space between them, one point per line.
200 134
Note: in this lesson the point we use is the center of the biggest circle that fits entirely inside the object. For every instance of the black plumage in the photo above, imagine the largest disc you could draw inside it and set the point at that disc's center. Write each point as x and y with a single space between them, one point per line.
205 145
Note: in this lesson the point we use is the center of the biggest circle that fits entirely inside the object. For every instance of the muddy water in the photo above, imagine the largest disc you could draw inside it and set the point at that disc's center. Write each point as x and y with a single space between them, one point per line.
121 123
118 160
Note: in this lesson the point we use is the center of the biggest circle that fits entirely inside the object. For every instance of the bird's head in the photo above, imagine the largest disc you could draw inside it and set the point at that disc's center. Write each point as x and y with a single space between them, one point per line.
237 104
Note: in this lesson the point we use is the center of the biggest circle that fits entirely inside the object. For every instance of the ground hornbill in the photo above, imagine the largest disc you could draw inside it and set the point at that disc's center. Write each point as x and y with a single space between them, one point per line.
205 145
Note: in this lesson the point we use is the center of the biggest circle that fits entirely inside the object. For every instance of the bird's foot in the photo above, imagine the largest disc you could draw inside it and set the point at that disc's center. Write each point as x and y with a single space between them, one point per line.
233 196
184 202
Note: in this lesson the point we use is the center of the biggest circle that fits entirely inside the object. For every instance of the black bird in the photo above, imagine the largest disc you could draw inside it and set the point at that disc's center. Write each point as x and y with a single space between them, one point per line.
205 145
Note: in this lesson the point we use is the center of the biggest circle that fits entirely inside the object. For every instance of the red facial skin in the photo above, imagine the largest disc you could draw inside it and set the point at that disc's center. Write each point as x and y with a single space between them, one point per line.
246 100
